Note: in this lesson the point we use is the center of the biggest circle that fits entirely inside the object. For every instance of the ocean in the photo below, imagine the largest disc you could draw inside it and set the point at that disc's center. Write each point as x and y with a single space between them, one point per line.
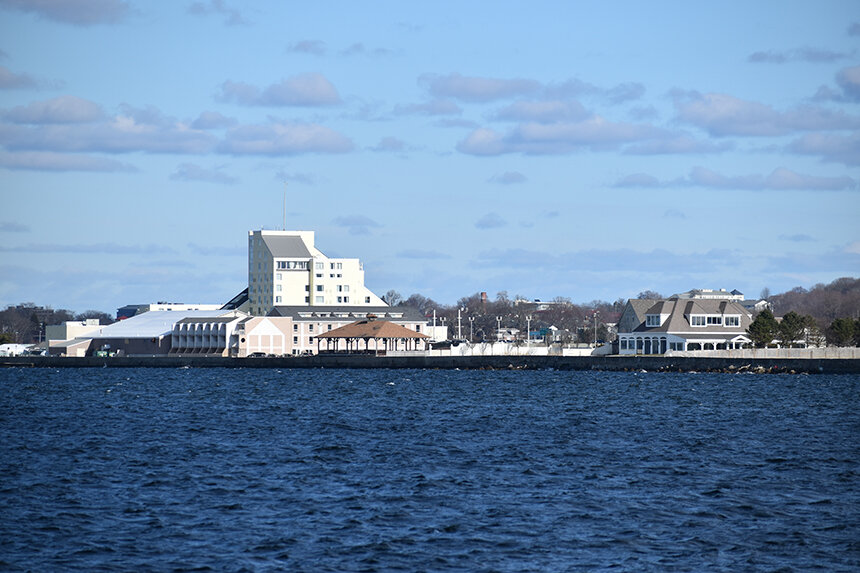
111 469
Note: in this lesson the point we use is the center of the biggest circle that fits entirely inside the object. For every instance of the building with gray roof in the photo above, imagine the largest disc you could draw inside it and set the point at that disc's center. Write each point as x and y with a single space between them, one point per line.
658 326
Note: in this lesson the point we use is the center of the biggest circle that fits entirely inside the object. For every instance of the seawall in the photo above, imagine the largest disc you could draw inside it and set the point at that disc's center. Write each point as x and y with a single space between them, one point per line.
613 363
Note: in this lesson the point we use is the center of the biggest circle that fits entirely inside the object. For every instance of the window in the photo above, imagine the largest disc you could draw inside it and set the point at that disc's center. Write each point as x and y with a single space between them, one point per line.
278 276
346 299
319 288
295 340
310 328
339 299
320 266
319 299
718 320
295 328
277 299
307 299
282 264
339 266
367 300
339 288
732 321
278 288
652 320
696 320
345 288
319 275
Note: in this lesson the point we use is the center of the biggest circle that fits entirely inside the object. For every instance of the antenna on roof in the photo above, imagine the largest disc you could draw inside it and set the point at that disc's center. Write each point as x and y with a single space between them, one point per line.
285 206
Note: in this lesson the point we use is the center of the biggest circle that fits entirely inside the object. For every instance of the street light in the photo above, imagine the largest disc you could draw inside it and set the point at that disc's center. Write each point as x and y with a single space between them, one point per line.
471 329
499 328
459 331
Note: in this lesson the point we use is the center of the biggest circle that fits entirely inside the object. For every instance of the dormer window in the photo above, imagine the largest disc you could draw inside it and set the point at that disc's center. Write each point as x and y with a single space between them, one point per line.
652 320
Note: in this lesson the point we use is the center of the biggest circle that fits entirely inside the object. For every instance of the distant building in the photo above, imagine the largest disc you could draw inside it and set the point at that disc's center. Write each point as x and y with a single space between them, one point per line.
657 326
130 310
71 329
754 306
286 269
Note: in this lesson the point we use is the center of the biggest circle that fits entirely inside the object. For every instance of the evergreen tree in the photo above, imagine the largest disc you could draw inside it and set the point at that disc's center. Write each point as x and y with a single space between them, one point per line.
763 329
841 332
792 328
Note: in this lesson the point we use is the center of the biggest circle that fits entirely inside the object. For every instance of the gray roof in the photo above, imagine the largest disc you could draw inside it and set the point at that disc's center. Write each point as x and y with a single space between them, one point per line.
393 313
679 311
289 246
149 324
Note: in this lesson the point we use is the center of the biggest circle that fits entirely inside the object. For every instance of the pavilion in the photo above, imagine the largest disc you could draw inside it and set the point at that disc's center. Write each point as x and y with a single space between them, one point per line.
390 335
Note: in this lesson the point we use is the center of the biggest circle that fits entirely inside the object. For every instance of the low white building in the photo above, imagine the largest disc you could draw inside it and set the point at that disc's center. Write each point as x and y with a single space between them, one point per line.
308 323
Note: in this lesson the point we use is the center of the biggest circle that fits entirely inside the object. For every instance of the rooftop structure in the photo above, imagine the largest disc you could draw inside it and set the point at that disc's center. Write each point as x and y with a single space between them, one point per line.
286 269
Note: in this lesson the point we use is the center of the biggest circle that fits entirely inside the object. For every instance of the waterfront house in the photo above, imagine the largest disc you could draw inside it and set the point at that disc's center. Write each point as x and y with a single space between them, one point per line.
658 326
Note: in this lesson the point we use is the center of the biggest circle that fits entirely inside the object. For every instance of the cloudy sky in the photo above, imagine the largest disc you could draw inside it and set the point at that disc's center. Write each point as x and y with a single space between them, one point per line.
590 150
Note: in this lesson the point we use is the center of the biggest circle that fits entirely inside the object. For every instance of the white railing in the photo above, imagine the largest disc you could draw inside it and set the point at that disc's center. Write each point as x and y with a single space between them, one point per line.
829 352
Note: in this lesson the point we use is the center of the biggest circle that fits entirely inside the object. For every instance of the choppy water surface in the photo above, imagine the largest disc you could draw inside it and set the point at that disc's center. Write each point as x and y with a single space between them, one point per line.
336 470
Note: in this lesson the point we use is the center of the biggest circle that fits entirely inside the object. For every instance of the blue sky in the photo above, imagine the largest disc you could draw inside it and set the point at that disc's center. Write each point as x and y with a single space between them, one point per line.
589 150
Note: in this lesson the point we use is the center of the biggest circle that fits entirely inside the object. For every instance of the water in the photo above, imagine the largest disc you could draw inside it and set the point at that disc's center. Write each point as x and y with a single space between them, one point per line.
386 470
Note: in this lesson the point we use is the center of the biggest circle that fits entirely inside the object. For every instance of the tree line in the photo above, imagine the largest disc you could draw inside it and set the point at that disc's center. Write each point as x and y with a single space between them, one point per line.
25 323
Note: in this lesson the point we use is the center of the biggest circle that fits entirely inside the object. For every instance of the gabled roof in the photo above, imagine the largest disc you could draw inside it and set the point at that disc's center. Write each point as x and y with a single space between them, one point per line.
287 246
680 310
372 329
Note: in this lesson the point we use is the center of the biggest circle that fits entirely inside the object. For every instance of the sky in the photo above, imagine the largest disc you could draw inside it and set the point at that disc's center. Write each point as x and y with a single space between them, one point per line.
587 150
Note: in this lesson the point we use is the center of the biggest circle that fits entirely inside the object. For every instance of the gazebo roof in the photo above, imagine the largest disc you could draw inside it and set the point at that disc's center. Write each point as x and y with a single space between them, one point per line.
371 328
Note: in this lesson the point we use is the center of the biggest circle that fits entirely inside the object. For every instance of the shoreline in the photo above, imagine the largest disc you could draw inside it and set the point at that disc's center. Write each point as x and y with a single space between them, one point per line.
363 361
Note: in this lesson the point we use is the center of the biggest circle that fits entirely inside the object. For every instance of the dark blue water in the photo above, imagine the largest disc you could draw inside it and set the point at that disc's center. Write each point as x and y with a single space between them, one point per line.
336 470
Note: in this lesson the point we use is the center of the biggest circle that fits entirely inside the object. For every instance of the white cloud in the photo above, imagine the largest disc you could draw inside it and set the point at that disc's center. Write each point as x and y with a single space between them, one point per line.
809 55
779 179
49 161
63 109
595 133
279 138
314 47
356 224
10 80
434 107
212 120
490 221
305 90
543 111
723 115
193 172
391 144
829 146
12 227
232 16
476 89
508 178
77 12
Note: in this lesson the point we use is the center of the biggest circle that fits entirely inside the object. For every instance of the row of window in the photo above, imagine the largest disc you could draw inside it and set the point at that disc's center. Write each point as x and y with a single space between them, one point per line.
714 320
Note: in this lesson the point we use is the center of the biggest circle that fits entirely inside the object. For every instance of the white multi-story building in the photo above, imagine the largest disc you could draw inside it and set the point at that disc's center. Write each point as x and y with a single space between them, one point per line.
286 269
